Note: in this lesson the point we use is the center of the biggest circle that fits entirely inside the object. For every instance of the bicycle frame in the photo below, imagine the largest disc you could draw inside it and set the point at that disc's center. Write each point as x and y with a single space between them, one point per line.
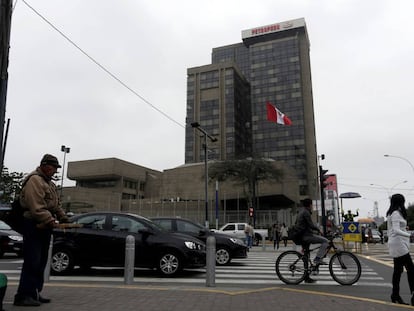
343 266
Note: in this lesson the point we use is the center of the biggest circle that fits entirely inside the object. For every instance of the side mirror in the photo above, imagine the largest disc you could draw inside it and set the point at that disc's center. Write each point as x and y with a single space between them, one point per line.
145 231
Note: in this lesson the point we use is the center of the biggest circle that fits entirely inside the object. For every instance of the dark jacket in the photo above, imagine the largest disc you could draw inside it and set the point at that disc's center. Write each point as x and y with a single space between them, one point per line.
304 222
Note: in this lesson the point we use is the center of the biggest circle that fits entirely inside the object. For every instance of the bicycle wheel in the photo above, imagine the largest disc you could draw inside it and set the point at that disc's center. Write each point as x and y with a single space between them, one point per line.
291 267
345 268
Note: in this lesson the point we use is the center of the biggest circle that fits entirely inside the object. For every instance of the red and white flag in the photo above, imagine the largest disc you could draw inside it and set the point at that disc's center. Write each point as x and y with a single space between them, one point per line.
275 115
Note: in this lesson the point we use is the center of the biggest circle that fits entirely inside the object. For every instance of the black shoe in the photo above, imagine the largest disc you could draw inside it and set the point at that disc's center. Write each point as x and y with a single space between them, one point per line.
309 280
43 299
26 301
398 299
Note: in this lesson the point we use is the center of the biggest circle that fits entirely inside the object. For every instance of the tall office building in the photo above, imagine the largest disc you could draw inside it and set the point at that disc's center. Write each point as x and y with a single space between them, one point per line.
274 60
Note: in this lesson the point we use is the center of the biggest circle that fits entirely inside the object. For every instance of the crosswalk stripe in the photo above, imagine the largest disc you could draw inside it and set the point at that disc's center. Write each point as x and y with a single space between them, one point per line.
258 269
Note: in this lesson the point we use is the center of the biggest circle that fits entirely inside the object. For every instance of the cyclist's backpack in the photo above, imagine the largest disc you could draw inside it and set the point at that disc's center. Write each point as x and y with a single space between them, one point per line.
295 234
14 218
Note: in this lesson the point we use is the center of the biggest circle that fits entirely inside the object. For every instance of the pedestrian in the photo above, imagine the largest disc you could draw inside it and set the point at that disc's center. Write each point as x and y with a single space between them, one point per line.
275 236
363 237
40 200
399 247
349 217
284 234
249 232
370 238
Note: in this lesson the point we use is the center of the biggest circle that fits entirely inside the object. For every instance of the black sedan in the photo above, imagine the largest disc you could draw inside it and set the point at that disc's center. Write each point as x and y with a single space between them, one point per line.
227 247
10 240
100 241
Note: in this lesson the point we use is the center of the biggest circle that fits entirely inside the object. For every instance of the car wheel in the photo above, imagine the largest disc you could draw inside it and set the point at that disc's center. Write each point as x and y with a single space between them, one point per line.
1 253
62 262
169 264
222 256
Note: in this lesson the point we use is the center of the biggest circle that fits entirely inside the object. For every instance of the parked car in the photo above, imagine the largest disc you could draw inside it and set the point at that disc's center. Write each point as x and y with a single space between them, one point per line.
10 240
100 241
227 247
236 229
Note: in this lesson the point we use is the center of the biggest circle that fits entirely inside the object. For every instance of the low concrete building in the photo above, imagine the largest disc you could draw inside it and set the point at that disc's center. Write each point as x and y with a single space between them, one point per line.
117 185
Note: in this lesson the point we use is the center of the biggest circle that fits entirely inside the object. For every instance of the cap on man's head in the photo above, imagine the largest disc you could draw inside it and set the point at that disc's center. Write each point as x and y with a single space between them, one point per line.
49 159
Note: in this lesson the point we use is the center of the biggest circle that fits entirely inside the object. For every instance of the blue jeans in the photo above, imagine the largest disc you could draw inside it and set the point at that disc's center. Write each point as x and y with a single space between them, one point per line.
35 254
317 239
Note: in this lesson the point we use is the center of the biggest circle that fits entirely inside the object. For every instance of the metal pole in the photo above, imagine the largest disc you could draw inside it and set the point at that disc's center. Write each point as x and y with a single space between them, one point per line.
206 179
65 150
5 24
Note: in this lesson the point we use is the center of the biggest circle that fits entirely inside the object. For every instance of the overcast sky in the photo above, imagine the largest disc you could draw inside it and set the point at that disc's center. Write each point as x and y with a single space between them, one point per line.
362 68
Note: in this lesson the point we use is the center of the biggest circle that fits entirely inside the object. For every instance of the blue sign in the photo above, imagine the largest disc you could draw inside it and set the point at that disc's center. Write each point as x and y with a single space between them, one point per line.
350 227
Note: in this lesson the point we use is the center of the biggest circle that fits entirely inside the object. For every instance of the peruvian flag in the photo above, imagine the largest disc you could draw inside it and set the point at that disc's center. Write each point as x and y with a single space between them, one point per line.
275 115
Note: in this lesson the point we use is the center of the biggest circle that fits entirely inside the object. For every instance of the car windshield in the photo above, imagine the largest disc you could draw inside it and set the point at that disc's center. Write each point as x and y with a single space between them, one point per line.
4 226
151 224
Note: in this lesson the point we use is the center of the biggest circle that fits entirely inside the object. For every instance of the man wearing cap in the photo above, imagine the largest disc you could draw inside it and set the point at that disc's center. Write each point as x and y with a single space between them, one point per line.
40 199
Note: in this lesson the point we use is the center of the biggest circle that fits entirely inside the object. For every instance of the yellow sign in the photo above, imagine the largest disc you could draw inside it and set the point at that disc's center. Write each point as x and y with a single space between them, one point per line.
352 237
352 227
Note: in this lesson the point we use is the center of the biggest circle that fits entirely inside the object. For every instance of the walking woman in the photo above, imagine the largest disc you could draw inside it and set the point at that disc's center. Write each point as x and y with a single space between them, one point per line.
284 234
399 247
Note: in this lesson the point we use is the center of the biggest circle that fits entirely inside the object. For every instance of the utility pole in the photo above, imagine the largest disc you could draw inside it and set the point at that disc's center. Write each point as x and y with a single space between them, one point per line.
5 24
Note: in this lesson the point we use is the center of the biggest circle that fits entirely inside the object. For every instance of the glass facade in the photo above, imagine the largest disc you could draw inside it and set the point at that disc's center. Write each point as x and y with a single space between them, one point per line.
218 99
277 68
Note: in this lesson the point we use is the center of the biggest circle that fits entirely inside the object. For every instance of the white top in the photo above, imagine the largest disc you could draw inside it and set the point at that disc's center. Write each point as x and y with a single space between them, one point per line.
398 237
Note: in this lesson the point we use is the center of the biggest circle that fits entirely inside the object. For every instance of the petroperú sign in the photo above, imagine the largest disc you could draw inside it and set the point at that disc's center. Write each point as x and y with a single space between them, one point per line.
258 31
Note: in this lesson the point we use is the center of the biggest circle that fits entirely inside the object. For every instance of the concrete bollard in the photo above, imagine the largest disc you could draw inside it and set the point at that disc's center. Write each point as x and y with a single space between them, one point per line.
129 260
263 243
211 262
46 273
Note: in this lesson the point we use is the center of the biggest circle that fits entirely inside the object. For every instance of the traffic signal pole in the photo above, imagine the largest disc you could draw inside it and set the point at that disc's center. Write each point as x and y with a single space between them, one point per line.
322 179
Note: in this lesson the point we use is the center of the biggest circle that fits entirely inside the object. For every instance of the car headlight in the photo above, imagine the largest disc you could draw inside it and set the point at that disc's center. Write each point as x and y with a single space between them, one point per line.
16 238
236 241
193 245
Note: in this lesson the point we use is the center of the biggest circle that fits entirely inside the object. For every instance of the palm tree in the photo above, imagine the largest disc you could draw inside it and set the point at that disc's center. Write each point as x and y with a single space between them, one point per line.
247 173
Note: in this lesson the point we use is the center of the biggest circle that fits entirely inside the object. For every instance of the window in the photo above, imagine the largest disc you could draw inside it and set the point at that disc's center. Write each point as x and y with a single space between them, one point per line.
96 222
125 224
183 226
229 228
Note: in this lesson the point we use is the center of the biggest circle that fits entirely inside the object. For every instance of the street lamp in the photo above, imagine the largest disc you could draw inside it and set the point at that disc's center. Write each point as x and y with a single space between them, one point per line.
389 190
65 150
398 157
197 126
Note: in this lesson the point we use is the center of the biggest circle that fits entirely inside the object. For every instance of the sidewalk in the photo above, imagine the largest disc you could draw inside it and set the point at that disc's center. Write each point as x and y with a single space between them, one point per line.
66 297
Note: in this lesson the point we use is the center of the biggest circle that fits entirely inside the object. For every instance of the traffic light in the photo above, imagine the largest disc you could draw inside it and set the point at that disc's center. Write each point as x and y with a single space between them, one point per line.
323 177
251 212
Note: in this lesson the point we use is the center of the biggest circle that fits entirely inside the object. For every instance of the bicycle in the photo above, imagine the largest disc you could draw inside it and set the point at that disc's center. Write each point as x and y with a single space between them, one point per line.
293 267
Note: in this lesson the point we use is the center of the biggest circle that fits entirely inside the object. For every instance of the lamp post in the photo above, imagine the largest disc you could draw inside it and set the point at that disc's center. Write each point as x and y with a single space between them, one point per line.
197 126
65 150
389 190
402 158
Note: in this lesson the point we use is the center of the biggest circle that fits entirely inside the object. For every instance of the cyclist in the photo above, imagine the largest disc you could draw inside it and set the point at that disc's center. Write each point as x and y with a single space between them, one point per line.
305 224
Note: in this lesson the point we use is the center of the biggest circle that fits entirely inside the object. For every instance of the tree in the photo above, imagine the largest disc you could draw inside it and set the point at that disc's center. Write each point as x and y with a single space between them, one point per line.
247 173
10 185
410 216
